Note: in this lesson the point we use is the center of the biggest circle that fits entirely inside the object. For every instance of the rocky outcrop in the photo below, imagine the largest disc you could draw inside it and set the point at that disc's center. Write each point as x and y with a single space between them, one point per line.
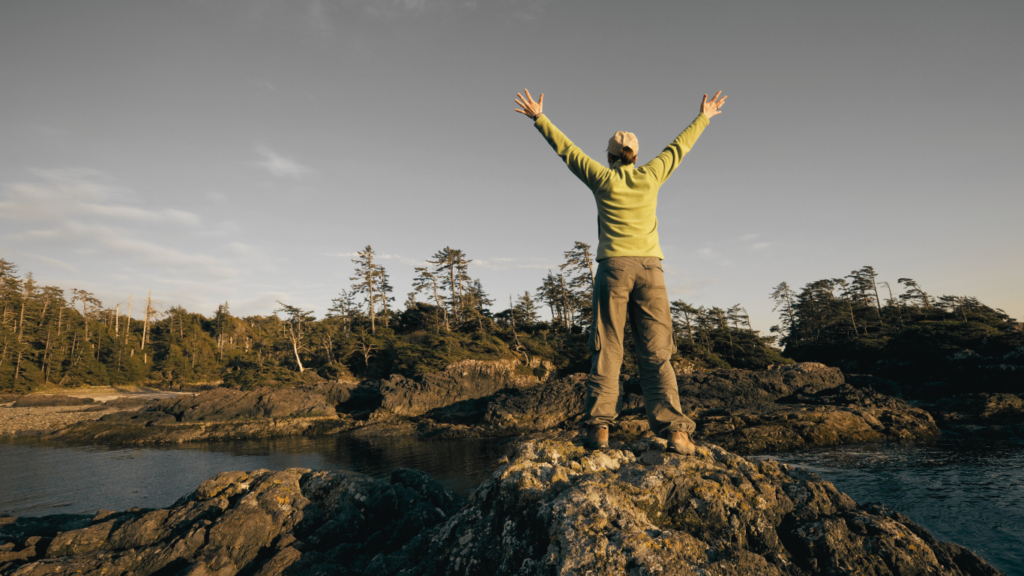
219 414
633 509
784 408
224 404
995 416
466 380
552 508
833 416
718 388
259 522
37 400
788 407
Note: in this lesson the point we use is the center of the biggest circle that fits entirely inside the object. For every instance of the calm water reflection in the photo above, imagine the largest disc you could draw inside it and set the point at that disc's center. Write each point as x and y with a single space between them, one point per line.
962 490
38 479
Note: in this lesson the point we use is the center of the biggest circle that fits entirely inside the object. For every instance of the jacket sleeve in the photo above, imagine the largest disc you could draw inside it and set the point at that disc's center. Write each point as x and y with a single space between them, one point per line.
584 167
661 167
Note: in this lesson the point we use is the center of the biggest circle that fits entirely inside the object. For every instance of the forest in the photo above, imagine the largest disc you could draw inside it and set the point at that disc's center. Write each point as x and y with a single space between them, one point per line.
859 324
51 336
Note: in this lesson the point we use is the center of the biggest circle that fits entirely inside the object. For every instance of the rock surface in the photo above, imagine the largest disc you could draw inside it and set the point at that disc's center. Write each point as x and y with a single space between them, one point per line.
39 400
466 380
219 414
553 508
996 416
784 408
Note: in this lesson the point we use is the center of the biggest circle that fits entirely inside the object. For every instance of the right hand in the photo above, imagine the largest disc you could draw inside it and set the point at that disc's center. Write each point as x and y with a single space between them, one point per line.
528 106
712 108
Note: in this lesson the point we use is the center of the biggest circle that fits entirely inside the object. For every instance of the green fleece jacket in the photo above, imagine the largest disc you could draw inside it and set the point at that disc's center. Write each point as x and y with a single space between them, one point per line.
626 195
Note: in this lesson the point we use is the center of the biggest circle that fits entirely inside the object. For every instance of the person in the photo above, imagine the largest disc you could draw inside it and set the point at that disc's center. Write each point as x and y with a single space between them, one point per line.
630 280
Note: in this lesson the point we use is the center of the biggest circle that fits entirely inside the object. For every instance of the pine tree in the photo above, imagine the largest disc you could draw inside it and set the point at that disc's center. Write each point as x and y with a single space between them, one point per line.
426 281
526 309
684 315
914 293
343 307
578 278
783 297
365 281
295 324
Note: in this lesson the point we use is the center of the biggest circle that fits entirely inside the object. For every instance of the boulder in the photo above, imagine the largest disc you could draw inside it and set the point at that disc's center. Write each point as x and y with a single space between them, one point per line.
462 381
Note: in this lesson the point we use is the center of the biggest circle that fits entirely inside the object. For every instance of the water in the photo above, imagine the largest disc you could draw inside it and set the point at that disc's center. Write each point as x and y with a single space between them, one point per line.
37 479
961 489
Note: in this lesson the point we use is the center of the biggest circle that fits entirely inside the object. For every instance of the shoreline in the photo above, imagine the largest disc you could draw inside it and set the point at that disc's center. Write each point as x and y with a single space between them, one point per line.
550 503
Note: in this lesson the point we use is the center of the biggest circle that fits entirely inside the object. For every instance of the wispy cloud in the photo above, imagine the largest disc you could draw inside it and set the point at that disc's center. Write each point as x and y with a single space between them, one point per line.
515 264
760 245
487 263
84 212
395 257
80 193
279 165
712 255
691 288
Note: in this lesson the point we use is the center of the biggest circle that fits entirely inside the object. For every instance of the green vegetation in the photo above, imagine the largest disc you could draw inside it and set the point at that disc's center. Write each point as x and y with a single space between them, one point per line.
913 337
51 338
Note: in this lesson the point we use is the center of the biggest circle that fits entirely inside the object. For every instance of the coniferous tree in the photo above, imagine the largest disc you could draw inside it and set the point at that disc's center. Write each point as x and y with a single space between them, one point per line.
578 276
783 298
295 324
426 281
366 281
526 309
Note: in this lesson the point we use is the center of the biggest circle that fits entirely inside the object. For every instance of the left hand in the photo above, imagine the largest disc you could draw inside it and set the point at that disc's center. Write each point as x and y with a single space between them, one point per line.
528 106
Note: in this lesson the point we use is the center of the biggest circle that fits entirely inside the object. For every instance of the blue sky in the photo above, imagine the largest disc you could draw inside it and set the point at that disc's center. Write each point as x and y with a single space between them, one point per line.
243 151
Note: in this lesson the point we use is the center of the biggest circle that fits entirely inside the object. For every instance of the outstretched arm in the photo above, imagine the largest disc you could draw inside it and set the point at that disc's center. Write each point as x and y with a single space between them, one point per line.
584 167
661 167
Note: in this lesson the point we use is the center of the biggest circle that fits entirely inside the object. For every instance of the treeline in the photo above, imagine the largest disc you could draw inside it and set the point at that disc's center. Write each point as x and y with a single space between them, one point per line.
50 336
858 323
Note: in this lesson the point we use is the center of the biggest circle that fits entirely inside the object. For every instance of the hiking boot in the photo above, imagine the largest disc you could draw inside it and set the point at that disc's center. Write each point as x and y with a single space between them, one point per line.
679 442
597 436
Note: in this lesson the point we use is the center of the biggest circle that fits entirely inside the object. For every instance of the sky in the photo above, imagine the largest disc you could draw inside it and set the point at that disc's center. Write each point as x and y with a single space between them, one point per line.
244 151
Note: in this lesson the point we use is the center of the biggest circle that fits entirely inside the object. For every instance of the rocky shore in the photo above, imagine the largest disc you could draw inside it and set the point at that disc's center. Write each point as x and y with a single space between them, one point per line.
785 408
551 508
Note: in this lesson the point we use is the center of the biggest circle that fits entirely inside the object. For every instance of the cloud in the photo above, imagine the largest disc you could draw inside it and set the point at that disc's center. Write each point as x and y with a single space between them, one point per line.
83 214
279 165
80 192
760 245
714 256
396 257
53 261
708 254
488 264
515 264
691 288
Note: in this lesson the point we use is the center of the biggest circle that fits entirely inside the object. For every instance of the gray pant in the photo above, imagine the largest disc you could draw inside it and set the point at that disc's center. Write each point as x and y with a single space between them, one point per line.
634 287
